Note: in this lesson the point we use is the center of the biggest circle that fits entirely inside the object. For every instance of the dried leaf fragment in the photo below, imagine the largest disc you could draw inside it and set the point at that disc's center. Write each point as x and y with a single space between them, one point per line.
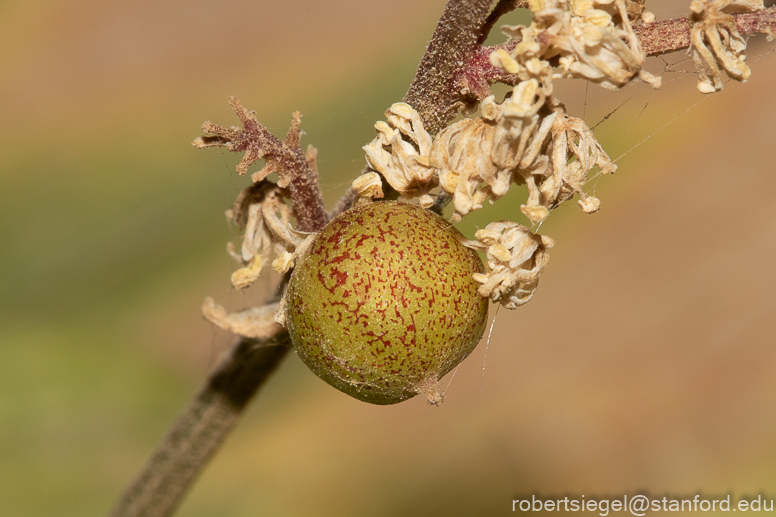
282 157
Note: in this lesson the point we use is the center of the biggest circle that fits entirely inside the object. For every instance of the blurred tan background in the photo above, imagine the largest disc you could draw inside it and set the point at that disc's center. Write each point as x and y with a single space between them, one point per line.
646 360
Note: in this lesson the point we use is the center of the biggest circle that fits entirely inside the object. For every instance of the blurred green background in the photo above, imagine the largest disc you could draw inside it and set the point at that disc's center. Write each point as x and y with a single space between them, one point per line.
644 362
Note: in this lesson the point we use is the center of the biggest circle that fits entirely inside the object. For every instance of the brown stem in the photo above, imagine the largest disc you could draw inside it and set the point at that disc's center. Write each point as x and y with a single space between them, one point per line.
439 87
303 183
203 426
671 35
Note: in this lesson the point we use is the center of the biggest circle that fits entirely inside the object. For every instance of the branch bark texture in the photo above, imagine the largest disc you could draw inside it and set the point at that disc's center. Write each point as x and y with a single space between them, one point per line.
672 35
437 89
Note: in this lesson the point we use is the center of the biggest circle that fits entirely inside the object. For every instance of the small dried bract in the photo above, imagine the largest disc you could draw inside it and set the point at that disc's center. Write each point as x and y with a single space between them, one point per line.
716 43
368 186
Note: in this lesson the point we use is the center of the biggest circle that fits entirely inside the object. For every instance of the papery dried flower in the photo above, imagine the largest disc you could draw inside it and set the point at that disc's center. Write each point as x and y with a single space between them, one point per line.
478 158
518 142
461 155
572 152
261 209
715 41
403 163
516 258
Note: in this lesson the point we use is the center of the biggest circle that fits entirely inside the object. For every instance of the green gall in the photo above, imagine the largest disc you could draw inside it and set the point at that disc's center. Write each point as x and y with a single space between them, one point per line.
383 303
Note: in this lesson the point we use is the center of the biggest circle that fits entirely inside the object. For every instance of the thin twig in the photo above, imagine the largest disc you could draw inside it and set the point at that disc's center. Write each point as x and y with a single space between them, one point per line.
200 430
672 35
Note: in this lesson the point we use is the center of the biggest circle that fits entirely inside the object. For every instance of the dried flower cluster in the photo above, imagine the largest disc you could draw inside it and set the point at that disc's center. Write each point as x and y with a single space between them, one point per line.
262 212
587 38
528 139
716 42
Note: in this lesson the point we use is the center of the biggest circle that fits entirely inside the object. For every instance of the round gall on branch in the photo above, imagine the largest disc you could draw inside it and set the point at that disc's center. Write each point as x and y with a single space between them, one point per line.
383 304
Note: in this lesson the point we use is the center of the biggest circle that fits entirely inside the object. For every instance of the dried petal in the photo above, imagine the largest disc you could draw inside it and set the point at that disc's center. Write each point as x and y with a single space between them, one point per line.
369 185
